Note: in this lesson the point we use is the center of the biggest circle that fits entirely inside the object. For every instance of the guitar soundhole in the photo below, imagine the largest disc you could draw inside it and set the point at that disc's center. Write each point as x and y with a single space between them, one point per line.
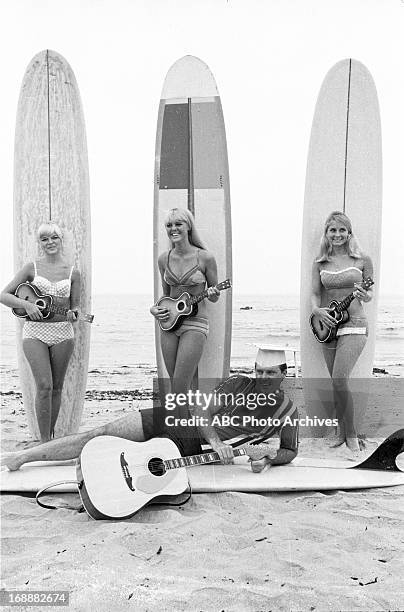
180 306
41 304
156 466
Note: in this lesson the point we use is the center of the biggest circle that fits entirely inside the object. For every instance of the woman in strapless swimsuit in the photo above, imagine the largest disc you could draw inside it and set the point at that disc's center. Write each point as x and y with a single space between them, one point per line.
186 266
340 269
48 345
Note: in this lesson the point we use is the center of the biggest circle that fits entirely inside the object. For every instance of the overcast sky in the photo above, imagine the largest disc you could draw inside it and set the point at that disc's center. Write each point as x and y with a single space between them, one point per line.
269 58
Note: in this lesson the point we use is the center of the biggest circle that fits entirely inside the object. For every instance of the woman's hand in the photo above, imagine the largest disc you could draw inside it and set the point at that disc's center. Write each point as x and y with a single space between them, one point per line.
73 315
161 314
361 294
213 294
33 312
324 316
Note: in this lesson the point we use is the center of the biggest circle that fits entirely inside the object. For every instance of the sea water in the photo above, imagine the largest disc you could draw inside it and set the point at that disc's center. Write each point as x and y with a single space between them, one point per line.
122 354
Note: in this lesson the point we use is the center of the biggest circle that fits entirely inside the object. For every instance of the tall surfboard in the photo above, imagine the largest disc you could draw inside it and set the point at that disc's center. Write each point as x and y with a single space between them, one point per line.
344 172
191 172
51 182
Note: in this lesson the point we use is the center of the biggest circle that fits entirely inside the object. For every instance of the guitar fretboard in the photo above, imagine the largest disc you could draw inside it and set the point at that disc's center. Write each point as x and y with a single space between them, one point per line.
201 296
173 464
344 304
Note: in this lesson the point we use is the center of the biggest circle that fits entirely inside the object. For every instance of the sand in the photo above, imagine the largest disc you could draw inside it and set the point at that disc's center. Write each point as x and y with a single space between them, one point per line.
226 551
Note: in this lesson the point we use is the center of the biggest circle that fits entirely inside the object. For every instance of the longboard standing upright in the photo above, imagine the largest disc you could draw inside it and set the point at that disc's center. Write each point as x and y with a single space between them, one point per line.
344 172
51 182
192 172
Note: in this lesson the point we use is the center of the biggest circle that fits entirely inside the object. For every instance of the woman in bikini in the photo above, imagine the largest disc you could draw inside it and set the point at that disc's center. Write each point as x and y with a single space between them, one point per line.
47 345
339 269
186 266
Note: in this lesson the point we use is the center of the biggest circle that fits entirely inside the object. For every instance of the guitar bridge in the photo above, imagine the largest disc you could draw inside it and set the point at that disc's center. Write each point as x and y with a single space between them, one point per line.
125 472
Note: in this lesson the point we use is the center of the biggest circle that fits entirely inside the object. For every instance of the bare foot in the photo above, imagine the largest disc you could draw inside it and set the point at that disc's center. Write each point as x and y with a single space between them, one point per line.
353 445
13 461
337 442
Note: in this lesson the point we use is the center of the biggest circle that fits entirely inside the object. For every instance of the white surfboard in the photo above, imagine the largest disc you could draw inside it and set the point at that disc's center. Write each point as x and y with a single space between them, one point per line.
191 172
383 468
51 182
344 172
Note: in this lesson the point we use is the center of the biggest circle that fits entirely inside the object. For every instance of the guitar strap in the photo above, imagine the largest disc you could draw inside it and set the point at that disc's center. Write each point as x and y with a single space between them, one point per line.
54 484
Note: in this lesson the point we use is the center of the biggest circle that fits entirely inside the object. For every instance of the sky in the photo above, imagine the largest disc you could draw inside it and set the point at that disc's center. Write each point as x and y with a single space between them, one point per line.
269 58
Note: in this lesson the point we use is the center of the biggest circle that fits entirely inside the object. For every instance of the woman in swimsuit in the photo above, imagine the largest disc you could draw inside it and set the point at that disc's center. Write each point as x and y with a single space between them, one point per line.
340 269
47 345
186 266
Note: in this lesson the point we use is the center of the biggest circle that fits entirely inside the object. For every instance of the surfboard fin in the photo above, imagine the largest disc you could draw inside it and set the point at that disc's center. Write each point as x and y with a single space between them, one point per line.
384 457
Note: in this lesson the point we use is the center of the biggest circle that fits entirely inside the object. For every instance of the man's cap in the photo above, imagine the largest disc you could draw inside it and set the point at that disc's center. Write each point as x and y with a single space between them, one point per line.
269 356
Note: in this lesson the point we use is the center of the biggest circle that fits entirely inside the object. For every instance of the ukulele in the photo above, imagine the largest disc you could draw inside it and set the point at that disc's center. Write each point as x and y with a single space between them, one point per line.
29 292
339 312
118 477
184 306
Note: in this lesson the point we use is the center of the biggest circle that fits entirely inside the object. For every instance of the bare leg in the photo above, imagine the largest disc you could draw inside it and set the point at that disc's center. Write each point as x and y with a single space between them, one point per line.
329 352
348 350
169 347
59 358
37 353
189 353
129 427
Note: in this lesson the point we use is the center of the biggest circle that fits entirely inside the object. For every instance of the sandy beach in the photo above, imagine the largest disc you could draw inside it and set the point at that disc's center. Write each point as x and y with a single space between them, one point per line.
226 551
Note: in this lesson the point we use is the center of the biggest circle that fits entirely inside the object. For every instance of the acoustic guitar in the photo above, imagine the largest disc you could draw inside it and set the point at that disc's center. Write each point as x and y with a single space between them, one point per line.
118 477
29 292
184 306
339 312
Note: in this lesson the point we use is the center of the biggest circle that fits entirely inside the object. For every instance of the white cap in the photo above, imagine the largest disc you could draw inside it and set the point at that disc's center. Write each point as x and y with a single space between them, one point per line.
269 356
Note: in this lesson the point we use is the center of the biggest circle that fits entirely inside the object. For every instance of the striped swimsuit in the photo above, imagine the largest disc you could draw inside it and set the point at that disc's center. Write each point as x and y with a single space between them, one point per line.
47 332
194 276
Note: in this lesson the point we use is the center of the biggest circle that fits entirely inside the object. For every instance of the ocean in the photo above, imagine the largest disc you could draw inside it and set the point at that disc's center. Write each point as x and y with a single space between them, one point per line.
122 339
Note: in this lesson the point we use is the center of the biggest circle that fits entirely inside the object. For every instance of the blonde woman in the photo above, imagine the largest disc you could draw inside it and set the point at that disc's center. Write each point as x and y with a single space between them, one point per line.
339 269
186 266
47 344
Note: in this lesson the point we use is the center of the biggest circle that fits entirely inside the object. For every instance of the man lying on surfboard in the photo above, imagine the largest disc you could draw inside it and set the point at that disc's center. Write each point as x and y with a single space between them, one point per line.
248 410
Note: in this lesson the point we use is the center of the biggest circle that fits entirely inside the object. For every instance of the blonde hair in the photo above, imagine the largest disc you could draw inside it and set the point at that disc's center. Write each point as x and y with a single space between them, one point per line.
182 214
353 248
49 227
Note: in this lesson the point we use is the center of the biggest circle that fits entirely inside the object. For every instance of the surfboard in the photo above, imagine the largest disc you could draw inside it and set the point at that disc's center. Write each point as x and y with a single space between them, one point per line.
383 468
191 171
344 172
51 181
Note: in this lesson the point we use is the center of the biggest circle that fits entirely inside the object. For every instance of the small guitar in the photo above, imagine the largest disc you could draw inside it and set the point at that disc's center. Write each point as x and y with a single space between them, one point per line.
184 306
339 311
28 291
118 477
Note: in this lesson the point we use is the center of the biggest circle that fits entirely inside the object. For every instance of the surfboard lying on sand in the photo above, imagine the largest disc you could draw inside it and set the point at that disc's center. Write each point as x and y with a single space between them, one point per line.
344 172
191 172
383 468
51 182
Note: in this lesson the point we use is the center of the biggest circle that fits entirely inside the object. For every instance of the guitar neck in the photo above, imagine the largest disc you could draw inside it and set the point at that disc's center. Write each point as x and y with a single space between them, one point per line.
88 318
59 310
195 299
346 302
203 459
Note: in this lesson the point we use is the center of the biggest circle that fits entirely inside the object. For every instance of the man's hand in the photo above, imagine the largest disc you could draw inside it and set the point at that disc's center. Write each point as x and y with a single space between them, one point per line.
225 451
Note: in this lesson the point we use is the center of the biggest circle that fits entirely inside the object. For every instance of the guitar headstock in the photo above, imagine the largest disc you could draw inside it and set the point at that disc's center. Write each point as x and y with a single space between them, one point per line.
224 284
256 451
368 282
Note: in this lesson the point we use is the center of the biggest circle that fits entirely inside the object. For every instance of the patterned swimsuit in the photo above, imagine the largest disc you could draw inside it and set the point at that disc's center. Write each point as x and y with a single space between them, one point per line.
345 279
47 332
